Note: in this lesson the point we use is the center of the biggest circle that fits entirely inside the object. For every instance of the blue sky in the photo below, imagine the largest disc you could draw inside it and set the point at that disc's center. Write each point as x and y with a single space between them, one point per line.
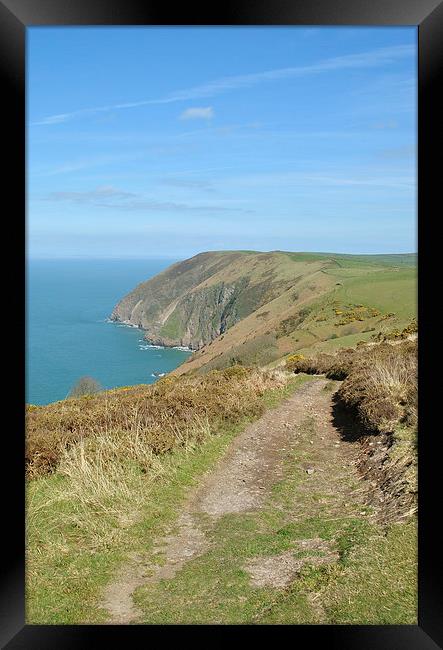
164 142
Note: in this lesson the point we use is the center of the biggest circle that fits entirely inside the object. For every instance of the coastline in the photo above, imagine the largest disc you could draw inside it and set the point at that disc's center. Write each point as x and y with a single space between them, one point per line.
159 346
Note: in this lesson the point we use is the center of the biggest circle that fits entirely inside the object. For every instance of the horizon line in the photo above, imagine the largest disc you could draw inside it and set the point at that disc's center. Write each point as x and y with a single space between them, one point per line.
226 250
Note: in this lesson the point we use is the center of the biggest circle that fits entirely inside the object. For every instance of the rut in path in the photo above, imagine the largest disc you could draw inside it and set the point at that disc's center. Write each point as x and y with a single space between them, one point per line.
240 483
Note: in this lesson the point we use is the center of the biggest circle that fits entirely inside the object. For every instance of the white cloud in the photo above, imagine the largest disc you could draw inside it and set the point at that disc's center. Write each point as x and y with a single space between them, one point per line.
198 113
374 58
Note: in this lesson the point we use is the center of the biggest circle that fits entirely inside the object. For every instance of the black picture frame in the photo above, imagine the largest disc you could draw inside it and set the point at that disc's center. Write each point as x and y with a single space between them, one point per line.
15 17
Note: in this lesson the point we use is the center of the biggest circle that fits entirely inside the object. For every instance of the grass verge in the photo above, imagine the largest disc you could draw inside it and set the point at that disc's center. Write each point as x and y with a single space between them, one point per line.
103 505
349 569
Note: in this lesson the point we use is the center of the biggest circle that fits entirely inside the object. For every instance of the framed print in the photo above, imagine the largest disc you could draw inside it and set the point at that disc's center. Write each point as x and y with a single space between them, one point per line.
222 226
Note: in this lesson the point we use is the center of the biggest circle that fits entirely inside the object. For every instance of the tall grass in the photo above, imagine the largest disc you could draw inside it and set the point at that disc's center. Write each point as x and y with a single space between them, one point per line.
111 450
380 387
380 380
155 418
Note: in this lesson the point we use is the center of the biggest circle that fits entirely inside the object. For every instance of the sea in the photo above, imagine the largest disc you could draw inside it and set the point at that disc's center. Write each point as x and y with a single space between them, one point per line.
69 335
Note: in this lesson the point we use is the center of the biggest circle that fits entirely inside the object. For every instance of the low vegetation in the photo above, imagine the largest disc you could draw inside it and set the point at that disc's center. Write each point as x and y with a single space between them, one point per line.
108 472
290 324
350 313
398 334
115 473
380 380
380 388
85 386
155 418
256 352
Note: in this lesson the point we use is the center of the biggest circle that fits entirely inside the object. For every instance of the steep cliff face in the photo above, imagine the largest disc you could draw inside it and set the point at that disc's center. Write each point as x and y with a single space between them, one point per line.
191 303
251 308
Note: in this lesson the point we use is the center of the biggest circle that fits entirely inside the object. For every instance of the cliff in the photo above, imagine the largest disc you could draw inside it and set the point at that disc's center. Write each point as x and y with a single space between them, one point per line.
252 307
194 301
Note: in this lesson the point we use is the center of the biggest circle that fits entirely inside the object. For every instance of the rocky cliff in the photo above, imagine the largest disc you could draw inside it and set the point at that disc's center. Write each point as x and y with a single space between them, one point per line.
192 302
248 307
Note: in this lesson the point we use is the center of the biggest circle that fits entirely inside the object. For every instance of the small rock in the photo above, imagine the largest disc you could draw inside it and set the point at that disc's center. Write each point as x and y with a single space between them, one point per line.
309 470
311 442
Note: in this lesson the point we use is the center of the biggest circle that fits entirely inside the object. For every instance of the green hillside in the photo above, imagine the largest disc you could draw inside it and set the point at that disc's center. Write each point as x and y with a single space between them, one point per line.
251 307
270 479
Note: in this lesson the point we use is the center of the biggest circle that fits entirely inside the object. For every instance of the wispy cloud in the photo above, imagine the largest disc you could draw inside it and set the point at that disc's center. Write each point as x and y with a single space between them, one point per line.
111 197
373 58
188 183
198 113
87 163
321 180
100 193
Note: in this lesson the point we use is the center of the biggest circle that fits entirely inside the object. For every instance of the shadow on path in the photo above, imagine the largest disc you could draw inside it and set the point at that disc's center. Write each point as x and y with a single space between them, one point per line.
347 422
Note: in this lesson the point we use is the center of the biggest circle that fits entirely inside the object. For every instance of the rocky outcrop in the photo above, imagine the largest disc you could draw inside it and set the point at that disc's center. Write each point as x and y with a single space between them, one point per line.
231 305
193 302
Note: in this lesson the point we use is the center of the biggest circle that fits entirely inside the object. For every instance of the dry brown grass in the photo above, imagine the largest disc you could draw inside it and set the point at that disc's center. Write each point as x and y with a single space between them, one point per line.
334 366
110 451
382 385
141 422
380 380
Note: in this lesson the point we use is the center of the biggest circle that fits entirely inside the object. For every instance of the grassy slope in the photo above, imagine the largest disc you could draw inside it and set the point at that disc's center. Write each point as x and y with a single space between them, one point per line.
80 529
373 581
66 571
189 302
346 260
385 283
73 554
387 290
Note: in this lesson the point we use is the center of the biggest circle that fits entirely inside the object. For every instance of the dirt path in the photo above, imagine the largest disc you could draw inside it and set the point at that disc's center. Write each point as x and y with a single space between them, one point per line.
241 483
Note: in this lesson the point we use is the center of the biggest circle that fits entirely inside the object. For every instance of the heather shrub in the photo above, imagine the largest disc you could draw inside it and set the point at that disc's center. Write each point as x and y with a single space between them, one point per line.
322 363
382 385
160 417
379 380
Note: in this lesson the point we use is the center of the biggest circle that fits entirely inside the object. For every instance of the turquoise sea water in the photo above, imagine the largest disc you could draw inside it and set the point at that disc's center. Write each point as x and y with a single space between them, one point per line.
67 333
